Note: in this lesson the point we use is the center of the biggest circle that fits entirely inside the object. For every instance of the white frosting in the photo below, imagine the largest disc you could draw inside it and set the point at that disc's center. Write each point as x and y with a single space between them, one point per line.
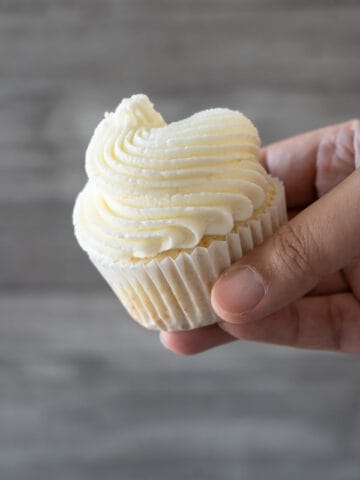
154 187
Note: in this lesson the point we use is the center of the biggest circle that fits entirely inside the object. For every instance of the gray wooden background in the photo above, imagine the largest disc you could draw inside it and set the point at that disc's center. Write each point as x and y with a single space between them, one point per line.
84 392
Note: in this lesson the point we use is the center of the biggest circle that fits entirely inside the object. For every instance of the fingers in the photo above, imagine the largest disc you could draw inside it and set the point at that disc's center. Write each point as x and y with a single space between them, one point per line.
317 242
312 163
195 341
325 323
201 339
337 154
352 273
333 283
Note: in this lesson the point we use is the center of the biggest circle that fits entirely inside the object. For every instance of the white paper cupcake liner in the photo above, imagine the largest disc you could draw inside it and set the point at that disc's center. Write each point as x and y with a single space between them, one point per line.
174 293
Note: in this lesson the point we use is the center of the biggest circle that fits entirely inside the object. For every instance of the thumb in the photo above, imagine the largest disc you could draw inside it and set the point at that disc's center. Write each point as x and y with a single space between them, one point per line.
322 239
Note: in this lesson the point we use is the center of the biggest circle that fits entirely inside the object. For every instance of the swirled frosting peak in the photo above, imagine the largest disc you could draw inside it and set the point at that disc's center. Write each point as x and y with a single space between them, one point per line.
155 187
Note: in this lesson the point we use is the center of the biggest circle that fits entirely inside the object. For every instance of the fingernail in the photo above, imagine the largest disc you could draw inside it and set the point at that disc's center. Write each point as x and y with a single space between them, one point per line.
238 291
162 338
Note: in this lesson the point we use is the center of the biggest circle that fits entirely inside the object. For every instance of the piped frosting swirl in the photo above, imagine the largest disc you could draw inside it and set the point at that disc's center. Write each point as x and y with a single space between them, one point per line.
155 187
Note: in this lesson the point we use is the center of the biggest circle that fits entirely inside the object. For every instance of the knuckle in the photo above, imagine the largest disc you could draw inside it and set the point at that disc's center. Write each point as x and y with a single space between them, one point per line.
335 156
344 147
356 141
295 249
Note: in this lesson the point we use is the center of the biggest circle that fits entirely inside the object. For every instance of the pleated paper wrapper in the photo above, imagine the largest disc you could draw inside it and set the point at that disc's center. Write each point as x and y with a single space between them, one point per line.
174 293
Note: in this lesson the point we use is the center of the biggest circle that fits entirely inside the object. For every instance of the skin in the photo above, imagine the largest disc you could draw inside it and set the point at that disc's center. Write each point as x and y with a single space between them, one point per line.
310 268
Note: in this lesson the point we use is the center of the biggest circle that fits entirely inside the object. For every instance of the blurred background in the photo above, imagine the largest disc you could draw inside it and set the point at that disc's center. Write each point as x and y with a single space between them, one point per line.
85 393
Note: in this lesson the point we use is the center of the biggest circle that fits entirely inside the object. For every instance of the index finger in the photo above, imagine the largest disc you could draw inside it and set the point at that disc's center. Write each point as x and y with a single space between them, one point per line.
295 159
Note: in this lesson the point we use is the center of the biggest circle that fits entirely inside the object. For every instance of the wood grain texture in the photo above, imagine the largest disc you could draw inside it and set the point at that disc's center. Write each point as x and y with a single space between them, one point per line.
64 63
84 392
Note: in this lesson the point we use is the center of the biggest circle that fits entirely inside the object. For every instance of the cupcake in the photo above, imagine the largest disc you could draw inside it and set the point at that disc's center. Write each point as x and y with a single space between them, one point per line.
168 207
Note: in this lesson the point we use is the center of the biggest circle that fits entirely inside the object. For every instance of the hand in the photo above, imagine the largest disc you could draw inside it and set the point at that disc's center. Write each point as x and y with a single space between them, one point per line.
301 287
